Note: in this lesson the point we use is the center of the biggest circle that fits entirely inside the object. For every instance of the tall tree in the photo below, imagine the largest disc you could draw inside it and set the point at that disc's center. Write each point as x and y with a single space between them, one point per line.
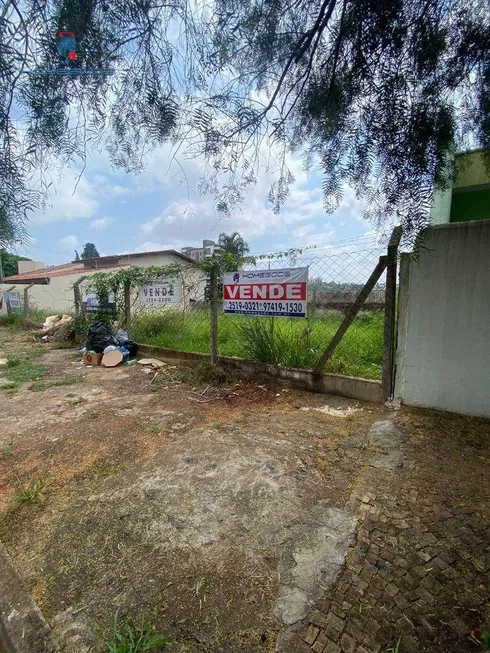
377 93
77 256
234 244
89 251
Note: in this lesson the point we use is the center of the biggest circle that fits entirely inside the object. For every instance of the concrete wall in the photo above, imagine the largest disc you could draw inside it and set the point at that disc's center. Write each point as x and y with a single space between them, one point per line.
443 356
57 296
344 386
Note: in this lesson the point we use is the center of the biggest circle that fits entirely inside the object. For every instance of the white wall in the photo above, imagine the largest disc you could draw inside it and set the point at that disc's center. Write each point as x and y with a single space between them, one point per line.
441 206
443 356
57 296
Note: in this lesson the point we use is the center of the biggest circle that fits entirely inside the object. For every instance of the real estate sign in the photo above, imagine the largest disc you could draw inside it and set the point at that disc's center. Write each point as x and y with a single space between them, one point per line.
266 292
91 304
161 291
13 298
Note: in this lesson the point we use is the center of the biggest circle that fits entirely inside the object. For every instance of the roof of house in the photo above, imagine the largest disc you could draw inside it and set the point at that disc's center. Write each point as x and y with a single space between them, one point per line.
78 267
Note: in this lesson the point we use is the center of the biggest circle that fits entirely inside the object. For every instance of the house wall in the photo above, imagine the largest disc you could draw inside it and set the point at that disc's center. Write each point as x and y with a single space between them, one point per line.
469 197
443 355
472 170
56 296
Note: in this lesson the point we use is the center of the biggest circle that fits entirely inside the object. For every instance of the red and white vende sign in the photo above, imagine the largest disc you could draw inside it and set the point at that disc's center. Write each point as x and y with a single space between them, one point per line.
266 292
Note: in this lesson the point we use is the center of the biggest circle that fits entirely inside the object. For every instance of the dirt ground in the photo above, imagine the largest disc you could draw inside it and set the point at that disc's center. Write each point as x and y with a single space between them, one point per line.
228 509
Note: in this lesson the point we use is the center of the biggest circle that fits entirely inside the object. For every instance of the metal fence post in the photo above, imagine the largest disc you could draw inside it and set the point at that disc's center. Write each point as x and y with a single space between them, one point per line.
390 315
351 313
213 291
26 305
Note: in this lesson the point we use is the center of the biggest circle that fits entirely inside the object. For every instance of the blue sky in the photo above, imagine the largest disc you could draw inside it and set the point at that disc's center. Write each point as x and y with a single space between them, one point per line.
161 208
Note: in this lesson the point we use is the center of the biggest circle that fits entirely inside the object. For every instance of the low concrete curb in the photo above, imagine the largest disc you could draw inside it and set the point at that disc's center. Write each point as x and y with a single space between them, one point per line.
336 384
23 628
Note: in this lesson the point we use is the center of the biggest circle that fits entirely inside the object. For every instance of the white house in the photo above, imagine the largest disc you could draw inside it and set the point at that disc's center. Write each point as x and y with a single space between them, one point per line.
52 286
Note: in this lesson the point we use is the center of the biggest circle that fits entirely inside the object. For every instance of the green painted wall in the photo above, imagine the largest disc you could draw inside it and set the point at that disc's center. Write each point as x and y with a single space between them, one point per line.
470 205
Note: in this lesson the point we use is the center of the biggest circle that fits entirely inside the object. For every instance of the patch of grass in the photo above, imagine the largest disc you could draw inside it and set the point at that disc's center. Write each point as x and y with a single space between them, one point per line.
5 449
39 386
18 370
127 637
30 491
154 428
36 316
282 341
62 345
35 352
14 319
11 385
205 372
94 414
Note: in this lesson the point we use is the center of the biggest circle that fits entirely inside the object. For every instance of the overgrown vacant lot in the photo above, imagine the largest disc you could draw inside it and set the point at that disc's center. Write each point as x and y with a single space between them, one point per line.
236 516
284 341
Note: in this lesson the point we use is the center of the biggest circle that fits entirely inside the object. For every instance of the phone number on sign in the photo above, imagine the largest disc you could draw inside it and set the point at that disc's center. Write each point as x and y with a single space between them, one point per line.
159 300
269 307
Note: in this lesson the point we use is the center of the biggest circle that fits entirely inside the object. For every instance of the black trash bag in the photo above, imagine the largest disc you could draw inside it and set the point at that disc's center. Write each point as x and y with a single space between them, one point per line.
99 337
132 347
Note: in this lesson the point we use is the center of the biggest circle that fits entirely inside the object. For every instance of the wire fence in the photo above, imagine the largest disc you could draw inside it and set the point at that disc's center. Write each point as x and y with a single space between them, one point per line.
334 282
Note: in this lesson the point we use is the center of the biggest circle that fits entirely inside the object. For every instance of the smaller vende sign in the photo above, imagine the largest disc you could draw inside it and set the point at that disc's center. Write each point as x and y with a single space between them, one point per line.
266 292
161 291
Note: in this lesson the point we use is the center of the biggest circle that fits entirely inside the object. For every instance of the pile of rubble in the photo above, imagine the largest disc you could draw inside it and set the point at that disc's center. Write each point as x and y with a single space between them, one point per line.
57 328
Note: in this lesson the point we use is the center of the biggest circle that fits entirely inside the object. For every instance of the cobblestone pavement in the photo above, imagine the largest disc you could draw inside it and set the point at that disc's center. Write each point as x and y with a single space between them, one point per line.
416 577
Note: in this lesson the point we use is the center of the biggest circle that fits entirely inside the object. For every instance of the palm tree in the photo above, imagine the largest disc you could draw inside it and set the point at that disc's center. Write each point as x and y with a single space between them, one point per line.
234 245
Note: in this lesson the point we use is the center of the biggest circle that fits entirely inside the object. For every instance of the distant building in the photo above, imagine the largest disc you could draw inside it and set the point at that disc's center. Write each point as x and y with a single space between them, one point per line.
208 249
469 197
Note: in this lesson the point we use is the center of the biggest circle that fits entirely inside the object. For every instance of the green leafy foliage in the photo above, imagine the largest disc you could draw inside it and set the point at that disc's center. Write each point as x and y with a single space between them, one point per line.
105 284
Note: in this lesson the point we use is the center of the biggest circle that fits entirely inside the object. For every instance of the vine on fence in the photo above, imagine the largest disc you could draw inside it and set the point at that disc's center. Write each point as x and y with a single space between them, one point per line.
120 284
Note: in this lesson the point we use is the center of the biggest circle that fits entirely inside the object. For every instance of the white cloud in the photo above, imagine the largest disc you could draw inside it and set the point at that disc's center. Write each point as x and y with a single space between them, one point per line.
302 231
68 242
69 200
102 223
150 246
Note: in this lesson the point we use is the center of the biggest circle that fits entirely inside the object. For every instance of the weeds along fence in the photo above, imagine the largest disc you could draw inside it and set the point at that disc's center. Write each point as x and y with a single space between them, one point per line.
348 328
335 281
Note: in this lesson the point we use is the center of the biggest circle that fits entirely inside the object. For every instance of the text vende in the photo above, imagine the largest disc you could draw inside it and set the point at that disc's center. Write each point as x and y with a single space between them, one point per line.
268 291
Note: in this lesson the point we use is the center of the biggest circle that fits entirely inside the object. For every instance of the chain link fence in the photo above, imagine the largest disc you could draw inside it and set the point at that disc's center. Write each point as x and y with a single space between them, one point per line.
184 325
335 280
